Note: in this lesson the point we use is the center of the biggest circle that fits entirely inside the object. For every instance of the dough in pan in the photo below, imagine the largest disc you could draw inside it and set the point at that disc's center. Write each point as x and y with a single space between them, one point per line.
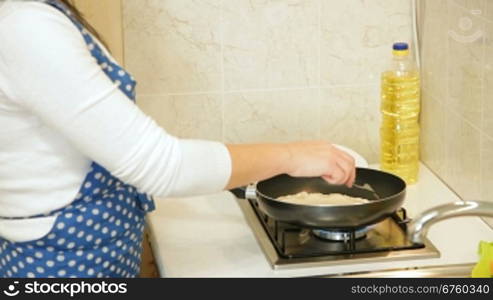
322 199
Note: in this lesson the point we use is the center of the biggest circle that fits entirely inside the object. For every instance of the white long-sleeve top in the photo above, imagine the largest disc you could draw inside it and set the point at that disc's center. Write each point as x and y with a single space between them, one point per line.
59 112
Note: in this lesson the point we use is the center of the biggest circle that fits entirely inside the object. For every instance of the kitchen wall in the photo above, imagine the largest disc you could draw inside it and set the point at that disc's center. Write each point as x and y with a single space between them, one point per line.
457 123
106 17
258 71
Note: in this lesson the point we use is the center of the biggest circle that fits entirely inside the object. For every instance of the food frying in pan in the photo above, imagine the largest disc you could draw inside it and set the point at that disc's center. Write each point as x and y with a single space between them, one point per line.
322 199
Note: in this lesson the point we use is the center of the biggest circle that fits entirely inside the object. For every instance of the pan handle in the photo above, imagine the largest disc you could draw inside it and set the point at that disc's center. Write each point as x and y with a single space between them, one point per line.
251 191
246 192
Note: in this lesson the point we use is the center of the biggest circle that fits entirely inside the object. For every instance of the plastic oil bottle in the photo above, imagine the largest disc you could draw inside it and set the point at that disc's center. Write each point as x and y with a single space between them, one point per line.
400 107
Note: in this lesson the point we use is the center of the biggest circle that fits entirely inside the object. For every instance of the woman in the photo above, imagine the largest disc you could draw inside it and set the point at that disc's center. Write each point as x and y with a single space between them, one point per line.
79 161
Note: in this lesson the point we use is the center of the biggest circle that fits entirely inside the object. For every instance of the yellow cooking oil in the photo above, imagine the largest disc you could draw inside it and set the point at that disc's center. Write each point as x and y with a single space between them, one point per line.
400 107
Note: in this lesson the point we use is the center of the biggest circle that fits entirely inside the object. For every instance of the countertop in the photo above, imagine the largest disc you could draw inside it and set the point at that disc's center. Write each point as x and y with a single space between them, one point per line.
208 236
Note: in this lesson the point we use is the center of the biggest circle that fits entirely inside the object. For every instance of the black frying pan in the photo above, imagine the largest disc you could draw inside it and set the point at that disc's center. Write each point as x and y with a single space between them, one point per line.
390 189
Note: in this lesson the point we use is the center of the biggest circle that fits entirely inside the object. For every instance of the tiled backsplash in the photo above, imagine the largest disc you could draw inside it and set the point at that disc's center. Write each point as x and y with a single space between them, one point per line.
457 116
264 71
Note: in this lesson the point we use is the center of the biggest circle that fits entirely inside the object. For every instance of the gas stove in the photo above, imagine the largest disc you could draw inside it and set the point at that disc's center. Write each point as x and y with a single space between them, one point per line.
289 246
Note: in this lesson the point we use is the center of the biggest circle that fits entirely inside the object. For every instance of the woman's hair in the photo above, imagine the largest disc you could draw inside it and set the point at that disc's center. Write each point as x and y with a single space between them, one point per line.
80 17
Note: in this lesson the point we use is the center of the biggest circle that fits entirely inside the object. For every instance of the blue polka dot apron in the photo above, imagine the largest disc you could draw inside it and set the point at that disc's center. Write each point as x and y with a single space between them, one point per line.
100 233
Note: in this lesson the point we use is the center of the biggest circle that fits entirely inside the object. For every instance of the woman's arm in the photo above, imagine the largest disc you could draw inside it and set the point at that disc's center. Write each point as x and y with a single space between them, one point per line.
252 163
52 75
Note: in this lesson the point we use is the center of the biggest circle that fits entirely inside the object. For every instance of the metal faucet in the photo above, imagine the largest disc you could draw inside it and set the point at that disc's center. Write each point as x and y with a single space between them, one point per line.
419 226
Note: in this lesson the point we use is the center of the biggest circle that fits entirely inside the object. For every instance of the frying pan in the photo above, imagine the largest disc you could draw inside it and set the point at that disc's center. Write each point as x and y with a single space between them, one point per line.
391 190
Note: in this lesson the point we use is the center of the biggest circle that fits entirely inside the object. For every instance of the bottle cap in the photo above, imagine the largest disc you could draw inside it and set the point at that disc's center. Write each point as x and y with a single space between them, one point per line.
400 49
401 46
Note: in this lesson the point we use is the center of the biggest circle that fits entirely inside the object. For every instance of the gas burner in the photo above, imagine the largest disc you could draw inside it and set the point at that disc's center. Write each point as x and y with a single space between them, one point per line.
341 236
290 246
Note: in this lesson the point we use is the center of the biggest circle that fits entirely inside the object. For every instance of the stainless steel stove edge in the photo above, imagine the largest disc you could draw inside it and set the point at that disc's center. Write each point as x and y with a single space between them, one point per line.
439 271
279 263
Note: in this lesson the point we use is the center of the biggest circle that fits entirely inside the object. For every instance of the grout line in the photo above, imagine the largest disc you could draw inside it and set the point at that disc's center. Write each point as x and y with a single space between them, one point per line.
295 88
462 118
481 106
430 95
481 144
487 135
319 90
443 180
444 105
447 91
223 76
489 138
122 33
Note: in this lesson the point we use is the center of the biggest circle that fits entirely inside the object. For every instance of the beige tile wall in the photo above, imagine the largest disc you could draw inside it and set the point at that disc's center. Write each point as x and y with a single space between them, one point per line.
106 17
457 126
255 70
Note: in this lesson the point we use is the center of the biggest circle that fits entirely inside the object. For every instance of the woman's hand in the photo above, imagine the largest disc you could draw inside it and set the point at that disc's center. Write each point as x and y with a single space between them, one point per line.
313 159
252 163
